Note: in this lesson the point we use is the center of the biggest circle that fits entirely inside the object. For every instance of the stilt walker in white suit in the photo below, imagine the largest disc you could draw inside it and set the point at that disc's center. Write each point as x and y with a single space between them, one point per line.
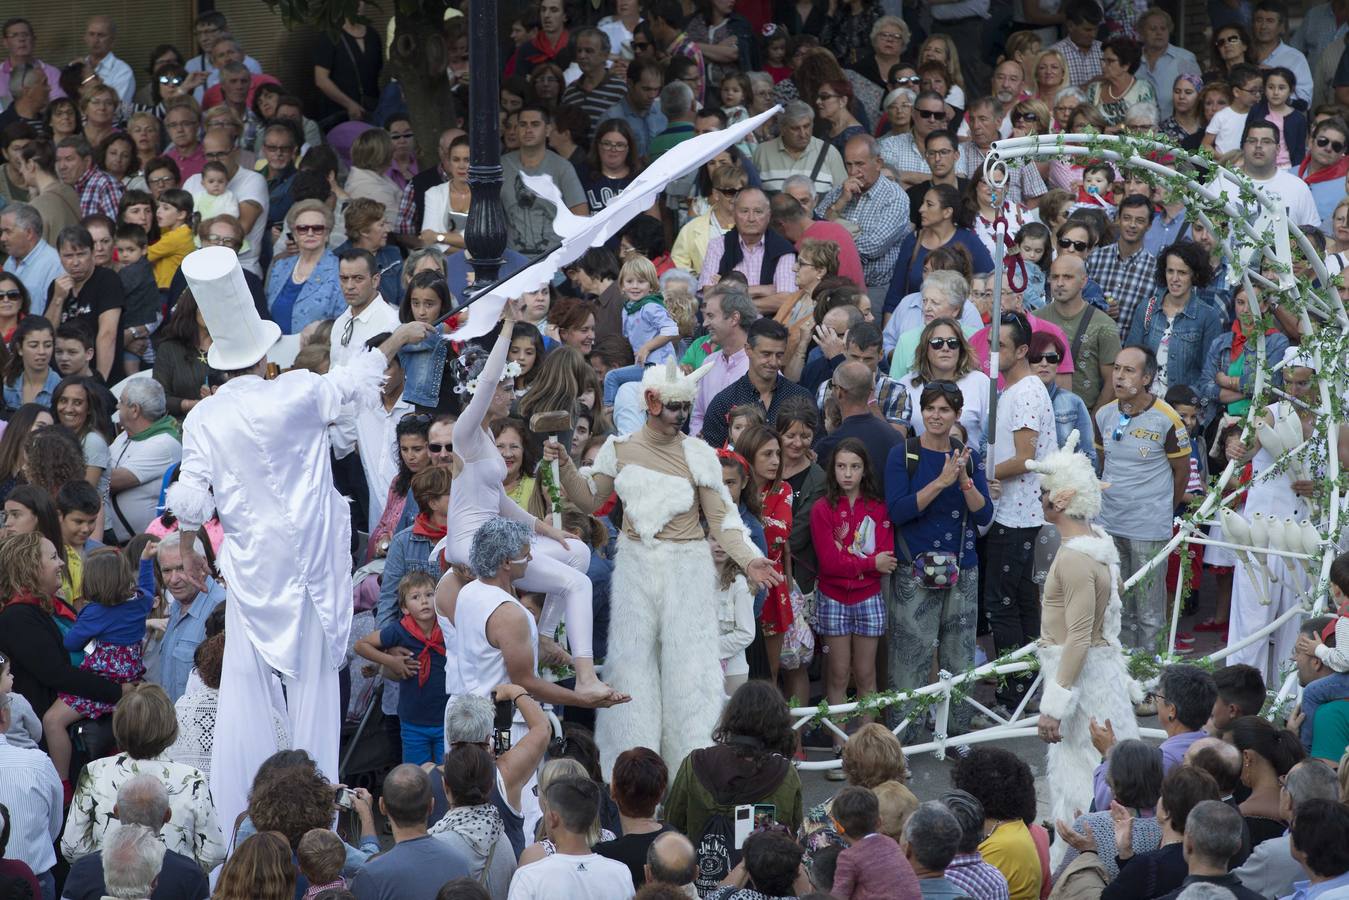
257 453
663 648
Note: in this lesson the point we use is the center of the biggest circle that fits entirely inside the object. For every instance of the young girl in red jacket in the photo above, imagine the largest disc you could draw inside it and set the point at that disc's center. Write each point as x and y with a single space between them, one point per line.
855 546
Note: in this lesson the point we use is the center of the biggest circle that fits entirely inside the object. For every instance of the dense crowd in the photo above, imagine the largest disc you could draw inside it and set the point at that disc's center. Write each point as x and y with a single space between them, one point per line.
874 513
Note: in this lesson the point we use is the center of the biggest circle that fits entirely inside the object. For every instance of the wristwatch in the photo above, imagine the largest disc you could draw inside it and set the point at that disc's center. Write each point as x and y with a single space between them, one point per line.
440 237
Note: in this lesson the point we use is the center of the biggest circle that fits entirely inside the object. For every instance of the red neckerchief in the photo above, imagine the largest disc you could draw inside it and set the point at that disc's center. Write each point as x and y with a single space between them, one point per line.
436 642
1239 338
546 52
422 526
1330 173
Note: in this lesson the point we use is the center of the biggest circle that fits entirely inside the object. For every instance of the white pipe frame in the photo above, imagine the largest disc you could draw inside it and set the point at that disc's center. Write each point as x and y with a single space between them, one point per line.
1328 305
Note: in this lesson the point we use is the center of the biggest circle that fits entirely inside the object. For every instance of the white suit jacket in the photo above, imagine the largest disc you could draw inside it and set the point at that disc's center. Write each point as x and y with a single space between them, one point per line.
262 448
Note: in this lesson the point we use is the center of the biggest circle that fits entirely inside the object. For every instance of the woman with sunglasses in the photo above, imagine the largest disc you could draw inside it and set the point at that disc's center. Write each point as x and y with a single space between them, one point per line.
690 245
1231 48
14 305
944 354
832 106
304 287
1326 165
1070 413
403 166
938 480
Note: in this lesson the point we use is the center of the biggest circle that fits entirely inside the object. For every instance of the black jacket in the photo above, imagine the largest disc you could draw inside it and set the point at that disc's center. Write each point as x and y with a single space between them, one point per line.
42 668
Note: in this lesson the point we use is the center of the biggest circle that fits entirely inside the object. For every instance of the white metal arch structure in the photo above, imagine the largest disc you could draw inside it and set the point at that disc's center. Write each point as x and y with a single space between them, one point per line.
1255 231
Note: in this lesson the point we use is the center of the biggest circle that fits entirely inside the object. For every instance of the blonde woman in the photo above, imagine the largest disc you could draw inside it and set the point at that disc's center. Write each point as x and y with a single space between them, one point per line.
815 261
940 48
691 245
1050 76
370 157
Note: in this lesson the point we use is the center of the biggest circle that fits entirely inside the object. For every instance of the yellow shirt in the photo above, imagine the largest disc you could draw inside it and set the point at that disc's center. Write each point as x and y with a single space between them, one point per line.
1011 849
166 254
72 582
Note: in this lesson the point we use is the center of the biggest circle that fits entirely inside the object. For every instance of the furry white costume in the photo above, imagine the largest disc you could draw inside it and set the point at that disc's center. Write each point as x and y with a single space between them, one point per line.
1085 672
664 648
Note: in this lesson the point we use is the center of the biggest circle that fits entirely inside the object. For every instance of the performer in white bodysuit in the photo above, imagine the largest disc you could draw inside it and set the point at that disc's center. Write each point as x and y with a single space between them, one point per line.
559 564
663 650
1085 673
257 453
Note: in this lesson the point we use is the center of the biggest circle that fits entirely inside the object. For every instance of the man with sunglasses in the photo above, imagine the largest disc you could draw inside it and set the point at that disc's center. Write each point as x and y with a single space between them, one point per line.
905 153
1145 451
1326 165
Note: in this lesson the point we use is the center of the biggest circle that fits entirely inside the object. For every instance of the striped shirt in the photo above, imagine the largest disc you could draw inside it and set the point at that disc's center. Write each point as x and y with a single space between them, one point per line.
596 101
31 792
776 165
1083 65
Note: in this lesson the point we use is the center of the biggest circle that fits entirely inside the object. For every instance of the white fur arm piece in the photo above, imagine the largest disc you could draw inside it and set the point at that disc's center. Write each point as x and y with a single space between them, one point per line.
360 380
606 464
190 504
1058 701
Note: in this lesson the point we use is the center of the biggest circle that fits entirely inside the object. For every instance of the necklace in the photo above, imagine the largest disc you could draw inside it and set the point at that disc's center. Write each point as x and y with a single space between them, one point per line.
1116 97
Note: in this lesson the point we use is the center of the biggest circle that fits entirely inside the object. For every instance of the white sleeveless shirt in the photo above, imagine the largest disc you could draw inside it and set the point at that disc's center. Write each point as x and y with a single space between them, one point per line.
481 666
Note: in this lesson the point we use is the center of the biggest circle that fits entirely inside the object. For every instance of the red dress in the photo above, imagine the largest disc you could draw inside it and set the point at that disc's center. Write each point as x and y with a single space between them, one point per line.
777 529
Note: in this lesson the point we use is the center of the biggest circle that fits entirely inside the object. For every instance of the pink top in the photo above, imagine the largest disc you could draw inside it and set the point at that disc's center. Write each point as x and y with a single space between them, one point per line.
849 263
979 343
848 571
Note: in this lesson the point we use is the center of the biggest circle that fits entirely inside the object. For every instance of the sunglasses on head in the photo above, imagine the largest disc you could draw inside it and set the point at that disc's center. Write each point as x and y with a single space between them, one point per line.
1323 142
419 418
948 388
1078 246
937 343
1051 358
938 114
904 79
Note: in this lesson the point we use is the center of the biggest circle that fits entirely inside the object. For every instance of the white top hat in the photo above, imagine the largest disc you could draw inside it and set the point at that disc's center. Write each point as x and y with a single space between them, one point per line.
240 338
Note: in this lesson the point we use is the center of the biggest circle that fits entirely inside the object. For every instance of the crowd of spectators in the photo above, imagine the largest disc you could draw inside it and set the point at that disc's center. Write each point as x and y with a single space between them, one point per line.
833 273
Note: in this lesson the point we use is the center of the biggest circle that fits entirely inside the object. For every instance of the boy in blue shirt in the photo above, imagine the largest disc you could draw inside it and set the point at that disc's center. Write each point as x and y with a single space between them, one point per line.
421 694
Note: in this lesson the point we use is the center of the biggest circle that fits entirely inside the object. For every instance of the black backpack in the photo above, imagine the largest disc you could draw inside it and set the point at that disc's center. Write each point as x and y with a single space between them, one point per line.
717 854
911 455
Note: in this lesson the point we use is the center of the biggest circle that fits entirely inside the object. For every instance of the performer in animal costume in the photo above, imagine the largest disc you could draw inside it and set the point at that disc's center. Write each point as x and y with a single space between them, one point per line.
257 453
663 650
1085 674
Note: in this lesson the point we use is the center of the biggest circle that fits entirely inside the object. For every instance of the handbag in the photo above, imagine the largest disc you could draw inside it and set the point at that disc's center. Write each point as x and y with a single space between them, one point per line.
935 570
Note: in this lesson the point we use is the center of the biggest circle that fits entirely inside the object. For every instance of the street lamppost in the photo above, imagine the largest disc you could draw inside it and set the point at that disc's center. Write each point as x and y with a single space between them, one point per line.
485 232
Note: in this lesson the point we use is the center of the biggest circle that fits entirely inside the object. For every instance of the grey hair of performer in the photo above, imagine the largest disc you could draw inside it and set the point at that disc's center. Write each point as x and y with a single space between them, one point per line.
495 544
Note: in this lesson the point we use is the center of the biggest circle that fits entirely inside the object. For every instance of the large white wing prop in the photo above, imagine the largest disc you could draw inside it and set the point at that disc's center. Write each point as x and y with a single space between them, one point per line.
580 233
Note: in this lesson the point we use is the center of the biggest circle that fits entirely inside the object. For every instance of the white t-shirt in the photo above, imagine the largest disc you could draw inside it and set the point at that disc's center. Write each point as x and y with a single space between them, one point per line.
148 460
246 185
1025 404
565 877
1296 198
1226 126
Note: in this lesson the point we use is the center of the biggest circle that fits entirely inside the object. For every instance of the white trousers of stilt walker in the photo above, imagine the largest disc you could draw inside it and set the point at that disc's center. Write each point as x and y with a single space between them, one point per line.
243 739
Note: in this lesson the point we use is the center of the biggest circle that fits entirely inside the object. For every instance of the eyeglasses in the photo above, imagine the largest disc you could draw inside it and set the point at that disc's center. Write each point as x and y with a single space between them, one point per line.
1051 358
937 114
821 97
614 146
940 153
223 240
1077 246
1018 118
1261 142
160 180
310 229
218 154
1323 142
11 294
1123 423
1254 92
890 36
949 343
170 79
440 448
279 148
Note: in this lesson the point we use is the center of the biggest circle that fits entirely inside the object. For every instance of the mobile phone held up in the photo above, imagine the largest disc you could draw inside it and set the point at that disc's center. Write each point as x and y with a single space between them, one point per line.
505 714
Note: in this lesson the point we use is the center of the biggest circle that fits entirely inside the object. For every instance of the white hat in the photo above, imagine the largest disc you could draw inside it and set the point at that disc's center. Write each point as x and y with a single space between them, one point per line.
1296 357
240 338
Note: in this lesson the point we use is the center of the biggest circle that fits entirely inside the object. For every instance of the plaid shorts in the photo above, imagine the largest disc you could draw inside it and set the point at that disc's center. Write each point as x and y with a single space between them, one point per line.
834 619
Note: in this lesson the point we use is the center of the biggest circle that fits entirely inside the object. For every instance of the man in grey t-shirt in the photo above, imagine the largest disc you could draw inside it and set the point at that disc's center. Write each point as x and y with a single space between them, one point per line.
529 219
1146 453
418 864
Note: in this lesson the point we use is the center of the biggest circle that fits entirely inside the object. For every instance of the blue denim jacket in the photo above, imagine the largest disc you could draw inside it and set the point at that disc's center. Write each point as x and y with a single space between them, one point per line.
1195 328
408 552
14 390
1220 354
1070 413
320 295
423 368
